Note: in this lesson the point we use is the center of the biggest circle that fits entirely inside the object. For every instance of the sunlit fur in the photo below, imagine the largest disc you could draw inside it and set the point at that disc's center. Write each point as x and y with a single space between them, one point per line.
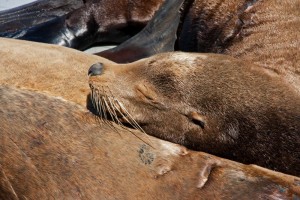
210 102
109 108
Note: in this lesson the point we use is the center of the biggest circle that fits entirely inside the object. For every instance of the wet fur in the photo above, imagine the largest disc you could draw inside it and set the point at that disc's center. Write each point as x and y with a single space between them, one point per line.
154 38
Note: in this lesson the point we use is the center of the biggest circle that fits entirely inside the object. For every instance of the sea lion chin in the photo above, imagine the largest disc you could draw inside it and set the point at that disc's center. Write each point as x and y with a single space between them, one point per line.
213 103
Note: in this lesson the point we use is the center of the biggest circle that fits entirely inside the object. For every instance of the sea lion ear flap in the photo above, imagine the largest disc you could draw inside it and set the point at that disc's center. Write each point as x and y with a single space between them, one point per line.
197 119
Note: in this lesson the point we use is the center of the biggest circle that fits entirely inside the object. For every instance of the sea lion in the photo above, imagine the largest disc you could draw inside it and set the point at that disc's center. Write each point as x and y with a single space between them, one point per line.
32 14
53 148
55 70
94 21
208 102
263 32
158 36
50 146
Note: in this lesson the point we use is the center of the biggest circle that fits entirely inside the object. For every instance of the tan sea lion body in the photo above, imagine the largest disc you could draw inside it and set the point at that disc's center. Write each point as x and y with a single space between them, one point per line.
52 148
55 70
208 102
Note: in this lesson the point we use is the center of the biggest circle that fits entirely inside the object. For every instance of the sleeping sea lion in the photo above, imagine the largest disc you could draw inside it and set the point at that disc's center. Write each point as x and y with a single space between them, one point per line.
53 148
208 102
55 70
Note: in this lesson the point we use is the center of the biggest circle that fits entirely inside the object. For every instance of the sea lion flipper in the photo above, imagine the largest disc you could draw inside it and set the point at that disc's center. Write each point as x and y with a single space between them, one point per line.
29 15
158 36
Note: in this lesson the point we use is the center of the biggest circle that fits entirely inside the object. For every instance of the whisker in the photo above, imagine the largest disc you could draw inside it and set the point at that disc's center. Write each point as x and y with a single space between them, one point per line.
113 106
104 104
136 125
110 108
105 109
96 96
96 104
114 111
99 107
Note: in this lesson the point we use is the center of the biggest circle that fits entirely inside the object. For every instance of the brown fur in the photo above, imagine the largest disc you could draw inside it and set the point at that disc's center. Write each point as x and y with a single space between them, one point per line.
264 32
51 148
110 20
55 70
212 103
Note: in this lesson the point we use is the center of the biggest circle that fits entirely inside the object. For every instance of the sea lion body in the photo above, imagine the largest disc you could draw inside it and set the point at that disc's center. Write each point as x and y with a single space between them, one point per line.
55 70
209 102
53 148
261 32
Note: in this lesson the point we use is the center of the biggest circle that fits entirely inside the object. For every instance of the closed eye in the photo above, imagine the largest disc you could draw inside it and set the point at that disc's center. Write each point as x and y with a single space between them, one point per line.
146 92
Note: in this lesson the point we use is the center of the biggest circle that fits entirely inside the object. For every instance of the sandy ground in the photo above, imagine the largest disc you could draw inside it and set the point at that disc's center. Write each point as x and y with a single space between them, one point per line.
7 4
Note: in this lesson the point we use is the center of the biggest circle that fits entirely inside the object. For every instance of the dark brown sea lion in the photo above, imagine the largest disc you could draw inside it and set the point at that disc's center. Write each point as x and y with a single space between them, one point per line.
52 148
158 36
32 14
94 21
262 32
208 102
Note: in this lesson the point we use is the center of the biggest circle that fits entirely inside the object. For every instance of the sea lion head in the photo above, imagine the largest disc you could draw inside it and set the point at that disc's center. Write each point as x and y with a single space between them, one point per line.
207 102
151 94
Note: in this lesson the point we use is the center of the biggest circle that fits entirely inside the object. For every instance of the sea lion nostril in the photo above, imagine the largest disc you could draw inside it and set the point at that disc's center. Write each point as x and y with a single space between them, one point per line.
96 69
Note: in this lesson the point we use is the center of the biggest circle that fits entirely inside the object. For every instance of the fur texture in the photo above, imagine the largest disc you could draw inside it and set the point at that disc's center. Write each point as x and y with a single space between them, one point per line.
52 148
212 103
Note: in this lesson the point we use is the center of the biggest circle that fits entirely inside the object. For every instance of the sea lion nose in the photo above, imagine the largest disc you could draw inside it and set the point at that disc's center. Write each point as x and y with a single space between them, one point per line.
96 69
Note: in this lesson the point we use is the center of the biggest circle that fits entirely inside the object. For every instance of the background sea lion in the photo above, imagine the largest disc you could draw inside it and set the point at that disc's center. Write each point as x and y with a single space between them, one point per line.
263 32
100 21
53 148
158 36
32 14
208 102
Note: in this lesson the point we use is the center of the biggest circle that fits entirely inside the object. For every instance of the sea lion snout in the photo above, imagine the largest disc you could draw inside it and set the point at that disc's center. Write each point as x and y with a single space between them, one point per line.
96 69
